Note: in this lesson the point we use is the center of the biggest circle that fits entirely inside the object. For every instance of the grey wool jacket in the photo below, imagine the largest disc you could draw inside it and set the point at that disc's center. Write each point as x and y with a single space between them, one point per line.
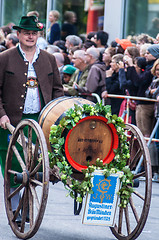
13 77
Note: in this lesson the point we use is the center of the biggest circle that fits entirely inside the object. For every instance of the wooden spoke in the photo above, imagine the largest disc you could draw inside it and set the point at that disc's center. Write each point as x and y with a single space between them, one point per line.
29 146
35 170
24 211
135 159
139 195
31 208
15 192
120 220
35 155
38 183
34 193
20 160
12 172
131 143
139 175
23 141
18 208
127 220
134 209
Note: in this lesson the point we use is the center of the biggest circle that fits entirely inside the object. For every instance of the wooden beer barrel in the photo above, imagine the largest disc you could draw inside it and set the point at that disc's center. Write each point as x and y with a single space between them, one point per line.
55 110
90 139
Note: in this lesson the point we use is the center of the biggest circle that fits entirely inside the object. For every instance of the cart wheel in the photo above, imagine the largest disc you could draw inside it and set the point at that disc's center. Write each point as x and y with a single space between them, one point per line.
130 221
32 179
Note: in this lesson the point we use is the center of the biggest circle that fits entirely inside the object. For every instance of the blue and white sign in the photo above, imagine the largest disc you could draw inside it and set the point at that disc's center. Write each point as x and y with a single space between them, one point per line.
100 207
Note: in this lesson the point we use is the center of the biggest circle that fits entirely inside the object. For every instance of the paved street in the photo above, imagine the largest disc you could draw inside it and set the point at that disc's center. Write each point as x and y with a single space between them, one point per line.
59 223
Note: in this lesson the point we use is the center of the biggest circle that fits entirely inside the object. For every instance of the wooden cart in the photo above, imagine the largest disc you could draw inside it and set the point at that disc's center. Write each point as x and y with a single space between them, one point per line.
36 174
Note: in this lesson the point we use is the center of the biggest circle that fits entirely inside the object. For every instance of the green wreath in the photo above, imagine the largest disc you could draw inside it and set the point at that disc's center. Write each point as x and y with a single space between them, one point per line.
56 157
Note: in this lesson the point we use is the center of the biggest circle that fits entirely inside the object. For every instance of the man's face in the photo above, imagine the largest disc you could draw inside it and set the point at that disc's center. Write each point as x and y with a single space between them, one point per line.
27 38
76 60
149 56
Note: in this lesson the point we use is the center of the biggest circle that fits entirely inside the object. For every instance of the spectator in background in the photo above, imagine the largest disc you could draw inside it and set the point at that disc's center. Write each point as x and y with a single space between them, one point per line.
11 40
131 52
143 38
80 75
101 39
68 27
54 32
143 49
61 45
71 53
96 77
72 41
90 35
112 83
52 49
87 44
68 71
6 30
60 62
107 56
2 38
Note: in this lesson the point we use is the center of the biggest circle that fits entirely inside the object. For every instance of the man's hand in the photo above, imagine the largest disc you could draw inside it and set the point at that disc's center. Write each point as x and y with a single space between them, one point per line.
104 94
3 121
76 86
109 72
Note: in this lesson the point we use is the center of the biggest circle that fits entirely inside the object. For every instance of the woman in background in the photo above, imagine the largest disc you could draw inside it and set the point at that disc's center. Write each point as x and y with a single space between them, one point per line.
54 32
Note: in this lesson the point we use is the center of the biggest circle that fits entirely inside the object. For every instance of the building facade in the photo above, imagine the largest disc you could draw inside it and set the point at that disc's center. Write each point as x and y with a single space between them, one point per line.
119 18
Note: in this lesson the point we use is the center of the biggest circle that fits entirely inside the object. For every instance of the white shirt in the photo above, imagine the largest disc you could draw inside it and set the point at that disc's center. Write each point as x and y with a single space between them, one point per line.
32 101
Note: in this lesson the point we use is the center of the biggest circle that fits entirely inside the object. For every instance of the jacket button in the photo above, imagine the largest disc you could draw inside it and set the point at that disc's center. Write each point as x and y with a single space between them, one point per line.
21 108
26 63
24 85
22 96
25 74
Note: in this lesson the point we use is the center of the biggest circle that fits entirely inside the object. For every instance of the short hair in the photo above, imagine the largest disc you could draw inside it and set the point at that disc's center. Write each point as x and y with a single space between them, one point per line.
61 45
118 57
94 52
68 15
88 43
74 40
80 54
56 14
90 35
59 56
153 69
52 49
103 37
14 38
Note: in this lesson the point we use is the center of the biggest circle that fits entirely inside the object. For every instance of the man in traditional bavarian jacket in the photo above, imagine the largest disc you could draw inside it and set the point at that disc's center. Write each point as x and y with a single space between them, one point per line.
29 79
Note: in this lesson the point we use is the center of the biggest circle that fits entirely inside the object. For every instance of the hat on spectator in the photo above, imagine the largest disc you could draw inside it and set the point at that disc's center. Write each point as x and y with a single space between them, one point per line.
124 43
141 62
29 23
154 50
69 69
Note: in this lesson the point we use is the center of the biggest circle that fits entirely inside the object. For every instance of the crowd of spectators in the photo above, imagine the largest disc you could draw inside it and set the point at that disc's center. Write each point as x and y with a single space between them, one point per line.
127 66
